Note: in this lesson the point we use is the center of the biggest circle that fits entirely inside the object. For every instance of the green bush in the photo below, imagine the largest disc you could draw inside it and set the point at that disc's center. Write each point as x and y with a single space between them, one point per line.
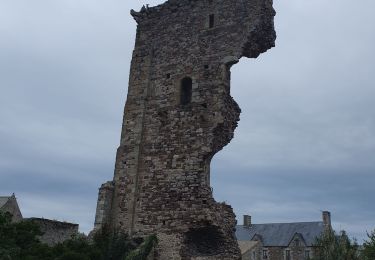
19 241
144 250
332 246
368 252
113 245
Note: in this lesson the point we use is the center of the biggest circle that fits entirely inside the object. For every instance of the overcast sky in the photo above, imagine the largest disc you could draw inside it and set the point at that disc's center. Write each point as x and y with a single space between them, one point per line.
305 142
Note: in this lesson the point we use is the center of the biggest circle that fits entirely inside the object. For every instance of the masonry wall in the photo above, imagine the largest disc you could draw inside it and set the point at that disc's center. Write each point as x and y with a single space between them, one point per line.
55 231
104 205
162 172
296 253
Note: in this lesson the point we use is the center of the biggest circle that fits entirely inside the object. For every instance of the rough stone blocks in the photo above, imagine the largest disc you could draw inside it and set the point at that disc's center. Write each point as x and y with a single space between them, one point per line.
179 113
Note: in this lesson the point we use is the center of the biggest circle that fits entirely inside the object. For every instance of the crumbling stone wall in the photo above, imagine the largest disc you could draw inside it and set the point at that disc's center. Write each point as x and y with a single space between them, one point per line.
178 115
104 204
54 232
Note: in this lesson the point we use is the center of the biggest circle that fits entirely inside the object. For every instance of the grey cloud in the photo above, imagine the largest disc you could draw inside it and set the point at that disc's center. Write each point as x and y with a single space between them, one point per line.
298 194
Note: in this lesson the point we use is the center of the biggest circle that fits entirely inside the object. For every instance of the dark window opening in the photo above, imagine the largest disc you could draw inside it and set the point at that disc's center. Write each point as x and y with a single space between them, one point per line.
206 66
265 254
204 241
211 23
168 76
163 222
186 91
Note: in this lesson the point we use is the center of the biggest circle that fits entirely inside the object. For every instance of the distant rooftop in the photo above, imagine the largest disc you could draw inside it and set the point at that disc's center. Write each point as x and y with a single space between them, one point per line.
281 234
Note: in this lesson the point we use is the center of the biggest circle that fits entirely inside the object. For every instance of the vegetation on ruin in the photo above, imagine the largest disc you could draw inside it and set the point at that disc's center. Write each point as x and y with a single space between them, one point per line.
143 250
19 241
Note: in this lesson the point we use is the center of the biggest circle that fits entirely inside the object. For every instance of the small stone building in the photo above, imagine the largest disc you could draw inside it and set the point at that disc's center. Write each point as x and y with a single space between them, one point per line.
280 241
54 231
10 204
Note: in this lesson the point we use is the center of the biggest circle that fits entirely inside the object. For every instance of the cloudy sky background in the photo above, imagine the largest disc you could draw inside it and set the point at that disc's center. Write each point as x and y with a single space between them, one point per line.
305 142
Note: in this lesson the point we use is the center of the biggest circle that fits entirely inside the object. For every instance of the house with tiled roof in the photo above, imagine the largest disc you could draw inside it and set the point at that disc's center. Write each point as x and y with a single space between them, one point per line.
9 204
280 241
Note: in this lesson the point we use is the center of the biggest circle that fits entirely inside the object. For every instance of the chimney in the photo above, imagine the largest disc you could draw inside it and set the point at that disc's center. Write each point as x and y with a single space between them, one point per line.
326 219
247 221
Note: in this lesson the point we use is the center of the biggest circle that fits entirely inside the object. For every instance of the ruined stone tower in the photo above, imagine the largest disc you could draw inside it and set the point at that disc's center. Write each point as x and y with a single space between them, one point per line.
178 115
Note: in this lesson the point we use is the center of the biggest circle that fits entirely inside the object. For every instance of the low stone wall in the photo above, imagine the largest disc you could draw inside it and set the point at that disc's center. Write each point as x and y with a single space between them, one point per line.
54 231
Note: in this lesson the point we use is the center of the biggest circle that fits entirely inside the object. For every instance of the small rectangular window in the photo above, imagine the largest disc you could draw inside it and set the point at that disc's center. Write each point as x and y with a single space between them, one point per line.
211 23
265 254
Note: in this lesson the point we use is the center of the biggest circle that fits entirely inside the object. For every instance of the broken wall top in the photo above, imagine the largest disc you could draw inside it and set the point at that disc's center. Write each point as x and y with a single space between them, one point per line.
241 28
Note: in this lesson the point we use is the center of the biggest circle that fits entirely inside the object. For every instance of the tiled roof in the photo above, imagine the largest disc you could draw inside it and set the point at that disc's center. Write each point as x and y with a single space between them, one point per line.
280 234
3 200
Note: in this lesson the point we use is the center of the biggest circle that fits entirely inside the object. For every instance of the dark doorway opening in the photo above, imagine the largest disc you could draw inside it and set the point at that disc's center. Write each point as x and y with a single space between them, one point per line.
204 241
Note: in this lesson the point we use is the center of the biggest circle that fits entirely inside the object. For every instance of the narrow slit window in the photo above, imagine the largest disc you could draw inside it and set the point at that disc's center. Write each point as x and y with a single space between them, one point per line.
211 21
186 91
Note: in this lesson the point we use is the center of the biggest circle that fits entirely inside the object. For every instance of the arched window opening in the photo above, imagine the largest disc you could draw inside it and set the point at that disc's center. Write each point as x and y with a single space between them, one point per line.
186 91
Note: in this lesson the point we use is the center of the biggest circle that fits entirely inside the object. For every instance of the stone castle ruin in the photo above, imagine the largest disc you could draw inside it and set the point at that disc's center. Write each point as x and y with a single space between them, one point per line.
179 113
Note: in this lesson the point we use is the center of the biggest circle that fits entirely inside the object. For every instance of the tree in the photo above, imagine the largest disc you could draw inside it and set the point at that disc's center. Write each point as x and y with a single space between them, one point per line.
19 241
331 246
368 252
114 245
16 239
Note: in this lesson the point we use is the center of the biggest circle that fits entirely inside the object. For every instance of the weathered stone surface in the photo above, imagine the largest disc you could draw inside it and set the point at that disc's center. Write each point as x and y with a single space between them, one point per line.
104 204
54 231
178 115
